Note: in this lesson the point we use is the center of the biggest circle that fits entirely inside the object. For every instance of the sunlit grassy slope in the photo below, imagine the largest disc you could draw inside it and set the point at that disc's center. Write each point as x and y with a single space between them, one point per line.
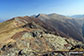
7 30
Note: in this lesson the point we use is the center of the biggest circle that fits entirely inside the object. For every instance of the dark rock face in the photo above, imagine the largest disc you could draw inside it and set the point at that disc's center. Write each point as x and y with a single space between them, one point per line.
30 25
3 48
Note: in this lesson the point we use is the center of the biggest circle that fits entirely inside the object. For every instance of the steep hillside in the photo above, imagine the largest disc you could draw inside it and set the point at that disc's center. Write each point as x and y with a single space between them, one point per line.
83 30
79 19
66 25
27 36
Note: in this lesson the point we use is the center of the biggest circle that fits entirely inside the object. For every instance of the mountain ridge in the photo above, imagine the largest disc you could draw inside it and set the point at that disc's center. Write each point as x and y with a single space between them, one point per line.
29 36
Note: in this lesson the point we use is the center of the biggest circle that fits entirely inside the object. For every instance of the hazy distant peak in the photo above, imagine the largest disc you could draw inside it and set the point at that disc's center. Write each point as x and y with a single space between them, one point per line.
52 14
78 16
58 16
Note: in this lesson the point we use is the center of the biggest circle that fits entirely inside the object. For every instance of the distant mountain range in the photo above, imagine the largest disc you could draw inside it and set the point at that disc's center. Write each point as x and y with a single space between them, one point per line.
77 16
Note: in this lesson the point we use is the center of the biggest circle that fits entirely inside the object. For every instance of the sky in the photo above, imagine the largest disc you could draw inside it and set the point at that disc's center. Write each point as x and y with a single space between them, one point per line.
14 8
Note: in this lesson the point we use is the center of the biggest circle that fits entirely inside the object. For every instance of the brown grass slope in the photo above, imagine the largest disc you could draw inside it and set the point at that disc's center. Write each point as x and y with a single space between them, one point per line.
18 24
